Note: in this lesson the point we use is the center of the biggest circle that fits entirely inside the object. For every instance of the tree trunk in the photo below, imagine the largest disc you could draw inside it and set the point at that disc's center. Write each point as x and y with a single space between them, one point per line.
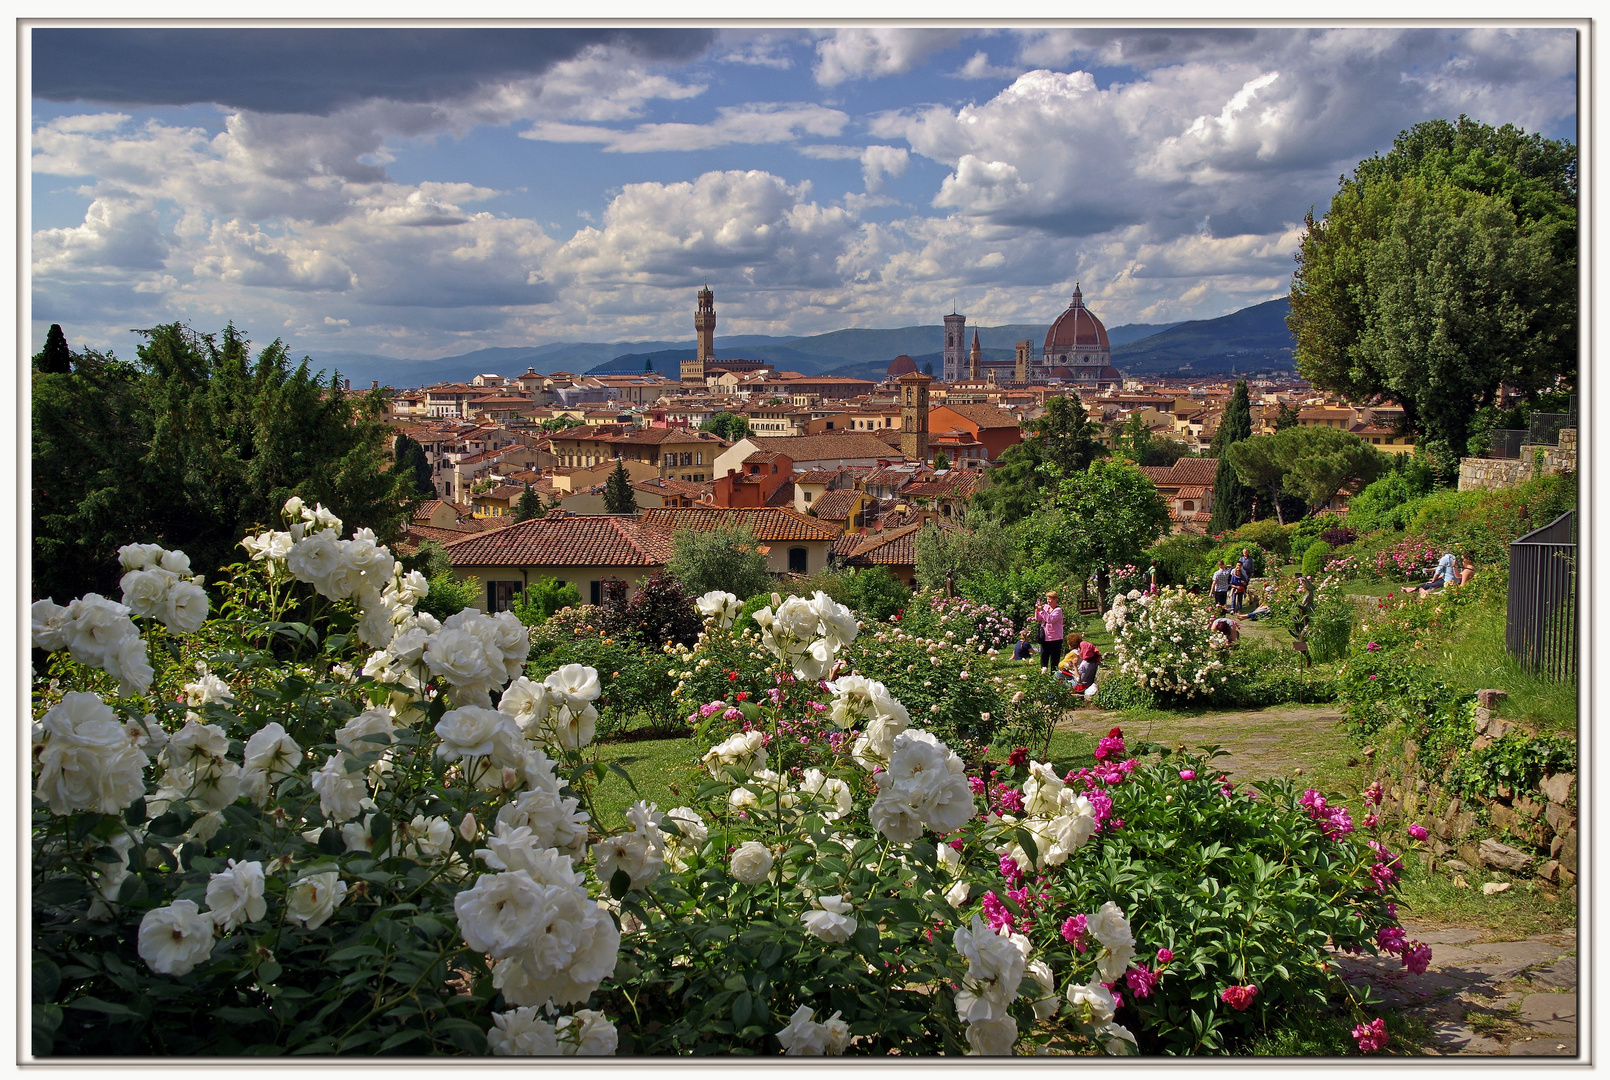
1101 589
1275 495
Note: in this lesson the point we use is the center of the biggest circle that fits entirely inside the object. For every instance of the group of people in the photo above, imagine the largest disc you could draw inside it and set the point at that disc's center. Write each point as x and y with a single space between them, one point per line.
1451 570
1230 582
1082 657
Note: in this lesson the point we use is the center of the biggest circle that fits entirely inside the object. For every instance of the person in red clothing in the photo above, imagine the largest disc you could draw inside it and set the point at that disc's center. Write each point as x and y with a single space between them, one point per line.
1049 614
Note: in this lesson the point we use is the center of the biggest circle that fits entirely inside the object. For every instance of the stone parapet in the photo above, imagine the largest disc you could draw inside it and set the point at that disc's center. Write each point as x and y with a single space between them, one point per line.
1479 474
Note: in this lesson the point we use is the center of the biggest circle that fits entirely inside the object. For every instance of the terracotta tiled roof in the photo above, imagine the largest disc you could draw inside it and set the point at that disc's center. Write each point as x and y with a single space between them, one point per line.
842 445
426 509
1197 471
1195 491
667 485
565 540
985 416
895 547
955 484
837 504
816 476
783 496
770 524
441 536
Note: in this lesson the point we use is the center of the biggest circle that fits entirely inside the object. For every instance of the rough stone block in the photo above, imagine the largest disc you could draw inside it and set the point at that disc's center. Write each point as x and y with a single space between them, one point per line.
1468 852
1526 953
1549 871
1481 742
1559 818
1458 865
1462 823
1411 750
1560 975
1526 806
1555 845
1503 818
1567 852
1490 698
1557 788
1543 1046
1502 856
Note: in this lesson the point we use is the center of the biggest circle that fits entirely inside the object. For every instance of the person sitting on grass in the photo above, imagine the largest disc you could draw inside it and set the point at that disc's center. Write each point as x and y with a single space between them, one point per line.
1024 649
1445 574
1229 628
1467 570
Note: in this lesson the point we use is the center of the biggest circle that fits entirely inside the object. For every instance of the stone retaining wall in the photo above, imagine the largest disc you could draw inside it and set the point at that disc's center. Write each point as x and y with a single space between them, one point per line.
1543 821
1476 474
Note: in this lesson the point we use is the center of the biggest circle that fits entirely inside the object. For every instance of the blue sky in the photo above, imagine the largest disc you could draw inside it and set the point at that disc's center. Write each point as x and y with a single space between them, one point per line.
425 192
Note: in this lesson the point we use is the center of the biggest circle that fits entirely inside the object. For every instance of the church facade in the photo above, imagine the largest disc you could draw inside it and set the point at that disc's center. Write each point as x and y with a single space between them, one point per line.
1075 351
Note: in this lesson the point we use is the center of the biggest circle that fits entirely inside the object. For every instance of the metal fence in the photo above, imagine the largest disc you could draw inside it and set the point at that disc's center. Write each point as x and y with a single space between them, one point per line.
1543 430
1540 630
1505 442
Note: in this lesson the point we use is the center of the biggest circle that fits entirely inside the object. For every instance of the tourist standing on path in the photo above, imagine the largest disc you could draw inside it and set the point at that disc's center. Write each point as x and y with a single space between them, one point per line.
1221 585
1238 588
1049 614
1246 565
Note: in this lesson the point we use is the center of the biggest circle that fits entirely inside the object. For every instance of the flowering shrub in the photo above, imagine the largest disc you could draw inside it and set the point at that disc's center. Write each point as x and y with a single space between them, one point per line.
1165 643
951 687
957 619
382 841
1412 557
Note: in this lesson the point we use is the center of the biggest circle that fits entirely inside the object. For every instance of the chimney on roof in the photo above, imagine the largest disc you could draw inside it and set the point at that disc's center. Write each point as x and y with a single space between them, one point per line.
374 384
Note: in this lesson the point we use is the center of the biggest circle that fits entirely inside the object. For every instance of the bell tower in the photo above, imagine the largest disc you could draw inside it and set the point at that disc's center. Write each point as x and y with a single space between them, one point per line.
914 416
955 347
1024 349
704 323
975 359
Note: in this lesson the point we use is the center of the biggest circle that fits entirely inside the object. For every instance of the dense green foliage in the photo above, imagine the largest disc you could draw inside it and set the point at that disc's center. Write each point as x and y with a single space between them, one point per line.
725 558
619 498
193 446
55 358
1311 464
727 425
539 601
529 505
1440 271
409 457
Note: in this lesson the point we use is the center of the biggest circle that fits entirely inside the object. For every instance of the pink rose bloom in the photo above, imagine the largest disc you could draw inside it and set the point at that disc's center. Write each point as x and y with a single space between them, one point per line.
1164 956
1239 998
1142 980
1418 832
1371 1037
1074 932
1187 774
1417 957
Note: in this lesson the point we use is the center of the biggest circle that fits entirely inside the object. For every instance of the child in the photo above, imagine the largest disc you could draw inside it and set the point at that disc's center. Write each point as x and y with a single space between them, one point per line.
1023 650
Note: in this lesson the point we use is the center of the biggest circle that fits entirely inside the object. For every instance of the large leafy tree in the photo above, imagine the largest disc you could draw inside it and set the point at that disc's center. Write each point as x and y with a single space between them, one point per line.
191 446
1232 497
1441 270
1311 464
1061 442
727 425
1067 435
1113 514
726 558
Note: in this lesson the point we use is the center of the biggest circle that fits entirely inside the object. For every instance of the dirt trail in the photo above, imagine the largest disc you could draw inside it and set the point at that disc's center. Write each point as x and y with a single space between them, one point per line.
1262 742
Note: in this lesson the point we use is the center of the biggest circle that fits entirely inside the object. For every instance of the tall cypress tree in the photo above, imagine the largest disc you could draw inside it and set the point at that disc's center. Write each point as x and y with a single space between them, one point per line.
619 498
410 456
530 505
1232 499
55 358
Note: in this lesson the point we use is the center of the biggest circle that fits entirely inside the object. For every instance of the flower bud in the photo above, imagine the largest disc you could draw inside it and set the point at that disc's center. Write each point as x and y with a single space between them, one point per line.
467 828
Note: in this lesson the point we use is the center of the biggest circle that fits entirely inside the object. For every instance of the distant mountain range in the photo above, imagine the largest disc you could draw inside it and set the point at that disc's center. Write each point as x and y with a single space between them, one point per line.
1254 339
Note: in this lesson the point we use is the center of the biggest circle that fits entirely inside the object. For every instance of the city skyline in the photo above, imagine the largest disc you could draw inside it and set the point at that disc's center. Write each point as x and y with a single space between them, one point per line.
425 192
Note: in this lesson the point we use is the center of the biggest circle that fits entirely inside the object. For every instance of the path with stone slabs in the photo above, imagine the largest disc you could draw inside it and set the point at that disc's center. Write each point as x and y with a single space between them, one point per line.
1484 997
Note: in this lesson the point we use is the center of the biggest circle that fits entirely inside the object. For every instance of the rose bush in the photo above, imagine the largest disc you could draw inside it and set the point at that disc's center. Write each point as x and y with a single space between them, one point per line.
1166 645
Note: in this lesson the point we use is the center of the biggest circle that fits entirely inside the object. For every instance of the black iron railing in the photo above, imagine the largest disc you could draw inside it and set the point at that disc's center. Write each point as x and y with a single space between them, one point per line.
1540 630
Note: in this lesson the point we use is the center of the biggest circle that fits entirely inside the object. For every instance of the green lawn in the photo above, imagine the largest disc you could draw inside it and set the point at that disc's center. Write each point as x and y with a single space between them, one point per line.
666 772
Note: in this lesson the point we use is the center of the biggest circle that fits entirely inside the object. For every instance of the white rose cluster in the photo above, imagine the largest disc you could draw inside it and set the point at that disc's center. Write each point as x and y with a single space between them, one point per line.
86 758
806 634
858 700
523 1032
476 653
1060 819
722 608
804 1037
640 853
98 633
548 940
830 919
738 756
925 786
174 939
158 583
1166 642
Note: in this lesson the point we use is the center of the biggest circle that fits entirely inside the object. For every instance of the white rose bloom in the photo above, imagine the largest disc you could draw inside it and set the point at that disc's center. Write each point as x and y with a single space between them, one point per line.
803 1037
553 819
1041 789
574 681
471 732
587 1034
690 824
316 559
87 761
571 725
837 621
894 818
341 794
293 508
956 895
271 750
313 899
751 863
993 1037
184 609
837 1033
139 556
632 852
1045 1006
322 518
995 967
874 746
461 658
407 646
367 723
830 790
174 939
521 1033
176 563
720 606
1091 1004
207 690
235 896
128 660
528 702
830 919
427 838
1109 927
95 625
145 591
740 755
1119 1040
49 619
109 876
377 627
1114 961
741 798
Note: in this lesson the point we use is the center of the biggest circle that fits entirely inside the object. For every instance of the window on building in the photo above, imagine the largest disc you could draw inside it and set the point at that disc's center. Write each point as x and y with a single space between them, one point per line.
698 457
797 560
1189 505
500 595
596 592
807 496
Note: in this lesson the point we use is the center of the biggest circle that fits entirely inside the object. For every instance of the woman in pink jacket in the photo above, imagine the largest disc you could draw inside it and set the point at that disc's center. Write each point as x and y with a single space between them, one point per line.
1049 614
